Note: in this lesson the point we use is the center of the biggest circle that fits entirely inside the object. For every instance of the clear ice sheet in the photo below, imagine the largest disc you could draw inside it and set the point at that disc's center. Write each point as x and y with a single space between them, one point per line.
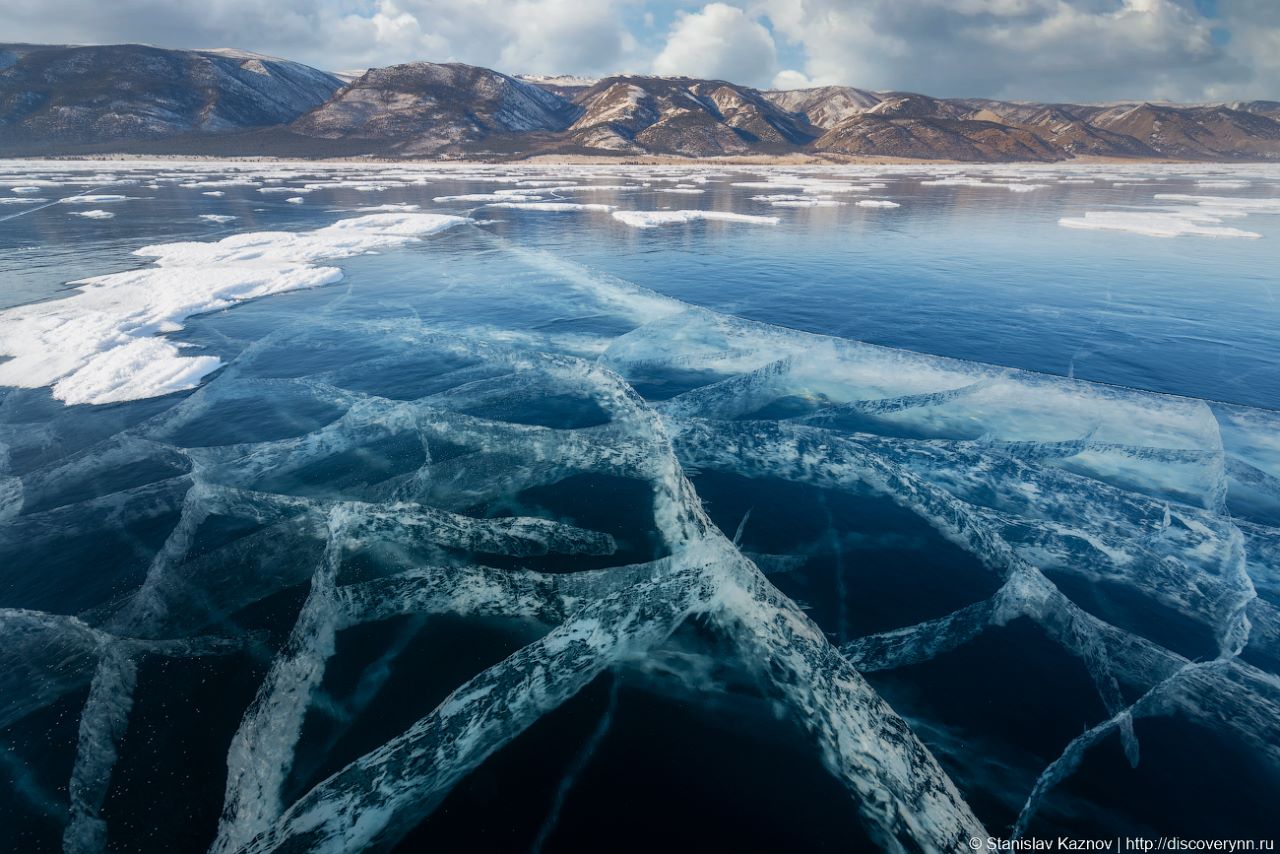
1052 485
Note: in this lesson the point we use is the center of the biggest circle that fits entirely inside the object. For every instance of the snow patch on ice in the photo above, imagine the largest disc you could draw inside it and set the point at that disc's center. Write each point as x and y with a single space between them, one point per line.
784 200
552 206
653 219
93 199
804 185
1155 224
101 345
962 181
228 182
1221 204
474 197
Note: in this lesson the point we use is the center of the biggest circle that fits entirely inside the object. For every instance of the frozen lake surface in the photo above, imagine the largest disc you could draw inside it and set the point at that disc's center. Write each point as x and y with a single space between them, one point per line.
514 508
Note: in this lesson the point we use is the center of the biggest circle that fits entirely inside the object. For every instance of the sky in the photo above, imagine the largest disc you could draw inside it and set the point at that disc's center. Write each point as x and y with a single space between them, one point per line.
1061 50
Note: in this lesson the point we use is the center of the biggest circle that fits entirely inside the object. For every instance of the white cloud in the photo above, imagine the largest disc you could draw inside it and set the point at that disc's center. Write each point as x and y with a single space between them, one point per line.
1035 49
536 36
516 36
720 42
789 78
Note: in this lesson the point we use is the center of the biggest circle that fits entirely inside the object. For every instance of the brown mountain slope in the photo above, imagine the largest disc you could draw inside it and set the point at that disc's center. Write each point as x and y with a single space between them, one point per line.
908 105
1077 138
682 116
825 106
424 107
1195 133
135 98
933 138
52 95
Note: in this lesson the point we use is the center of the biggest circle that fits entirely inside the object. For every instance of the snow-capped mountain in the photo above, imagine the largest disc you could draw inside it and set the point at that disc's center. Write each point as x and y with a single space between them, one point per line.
424 107
69 99
87 95
824 106
683 116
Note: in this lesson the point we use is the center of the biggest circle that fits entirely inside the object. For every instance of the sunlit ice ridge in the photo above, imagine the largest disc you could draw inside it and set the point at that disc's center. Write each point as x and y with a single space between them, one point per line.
820 470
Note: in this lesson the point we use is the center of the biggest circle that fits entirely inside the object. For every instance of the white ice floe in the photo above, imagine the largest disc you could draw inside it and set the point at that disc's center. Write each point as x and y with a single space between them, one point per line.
284 190
389 208
1224 204
296 200
962 181
228 182
788 200
552 206
93 214
806 203
217 194
652 219
1223 185
877 203
100 345
576 188
690 191
217 217
1175 223
804 185
20 200
481 197
93 199
1192 214
25 184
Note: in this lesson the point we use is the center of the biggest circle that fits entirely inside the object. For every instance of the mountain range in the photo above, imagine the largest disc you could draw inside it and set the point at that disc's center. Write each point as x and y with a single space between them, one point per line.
66 100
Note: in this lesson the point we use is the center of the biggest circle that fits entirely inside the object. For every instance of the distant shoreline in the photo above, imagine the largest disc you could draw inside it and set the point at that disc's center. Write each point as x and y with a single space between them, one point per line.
636 160
109 102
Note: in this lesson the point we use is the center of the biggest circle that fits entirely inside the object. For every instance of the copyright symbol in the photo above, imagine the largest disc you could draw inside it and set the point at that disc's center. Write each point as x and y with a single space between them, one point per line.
975 843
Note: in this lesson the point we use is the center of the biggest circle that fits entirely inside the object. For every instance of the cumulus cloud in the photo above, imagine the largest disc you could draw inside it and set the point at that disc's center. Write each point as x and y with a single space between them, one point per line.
535 36
789 78
1036 49
719 42
519 36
